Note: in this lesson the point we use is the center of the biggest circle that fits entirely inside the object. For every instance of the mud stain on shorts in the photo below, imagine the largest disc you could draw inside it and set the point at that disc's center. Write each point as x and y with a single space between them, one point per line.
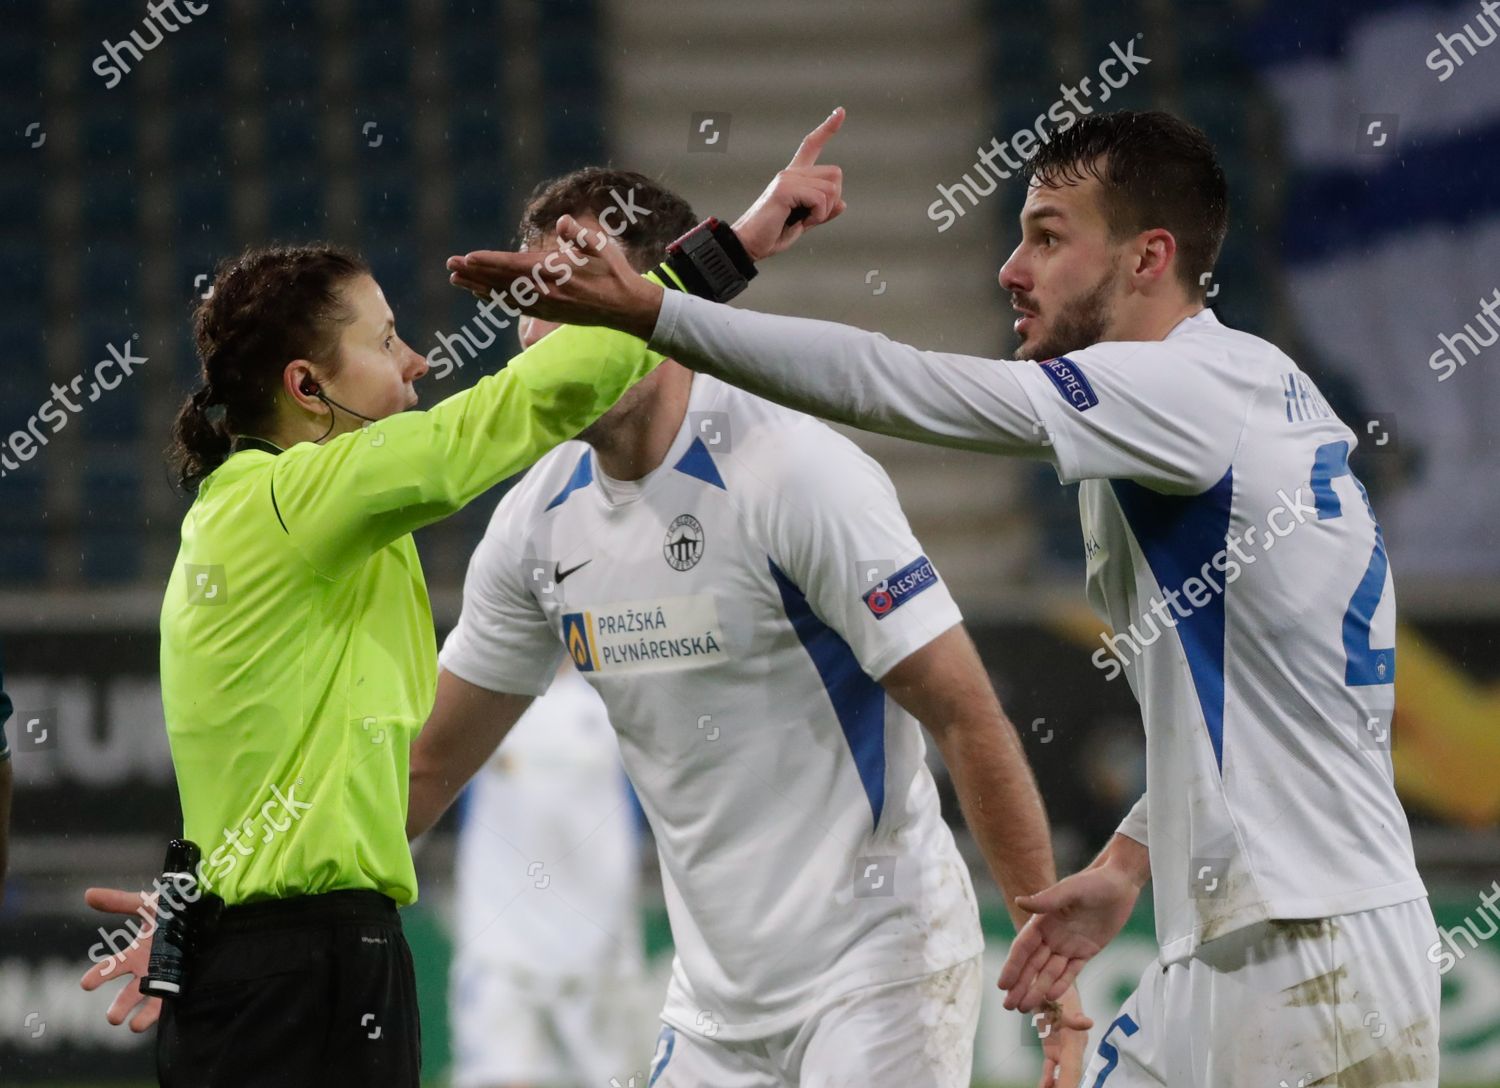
1319 990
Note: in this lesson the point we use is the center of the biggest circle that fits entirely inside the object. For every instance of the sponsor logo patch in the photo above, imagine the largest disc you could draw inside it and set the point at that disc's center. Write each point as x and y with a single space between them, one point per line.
900 587
638 636
1070 382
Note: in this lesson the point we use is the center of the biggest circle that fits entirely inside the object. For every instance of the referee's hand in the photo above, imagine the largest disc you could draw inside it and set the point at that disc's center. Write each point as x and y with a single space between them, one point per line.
131 965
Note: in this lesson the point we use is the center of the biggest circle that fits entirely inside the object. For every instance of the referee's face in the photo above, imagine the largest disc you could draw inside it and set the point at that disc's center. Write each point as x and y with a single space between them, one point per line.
376 367
1062 277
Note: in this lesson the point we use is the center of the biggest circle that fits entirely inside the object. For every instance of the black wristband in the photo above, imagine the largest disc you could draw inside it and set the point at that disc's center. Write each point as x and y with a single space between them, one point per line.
710 261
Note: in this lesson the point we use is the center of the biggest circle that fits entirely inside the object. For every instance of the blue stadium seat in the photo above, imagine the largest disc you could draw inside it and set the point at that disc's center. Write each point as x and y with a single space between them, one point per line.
185 356
374 10
382 58
294 133
23 270
395 260
387 141
1208 47
1021 48
573 120
296 206
1110 21
198 134
23 379
482 203
113 413
473 60
298 16
387 202
110 271
290 64
475 135
21 60
23 528
108 135
202 204
112 527
21 202
202 71
110 205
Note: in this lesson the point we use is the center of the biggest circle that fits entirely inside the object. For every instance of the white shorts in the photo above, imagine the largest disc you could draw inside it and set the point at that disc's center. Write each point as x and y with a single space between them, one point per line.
915 1034
509 1030
1333 1002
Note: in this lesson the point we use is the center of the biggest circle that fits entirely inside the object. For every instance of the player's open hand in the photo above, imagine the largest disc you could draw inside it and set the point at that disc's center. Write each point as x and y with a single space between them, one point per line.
587 280
1070 923
802 196
1064 1030
130 965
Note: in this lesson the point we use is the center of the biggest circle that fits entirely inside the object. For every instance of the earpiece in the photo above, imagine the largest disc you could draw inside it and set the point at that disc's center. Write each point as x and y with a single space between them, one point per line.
309 388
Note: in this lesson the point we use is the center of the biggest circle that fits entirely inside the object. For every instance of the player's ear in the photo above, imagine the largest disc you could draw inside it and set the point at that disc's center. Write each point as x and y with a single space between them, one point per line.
1154 252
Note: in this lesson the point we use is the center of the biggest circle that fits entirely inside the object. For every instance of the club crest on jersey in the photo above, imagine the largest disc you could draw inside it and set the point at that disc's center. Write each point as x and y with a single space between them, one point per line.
1070 382
901 587
684 544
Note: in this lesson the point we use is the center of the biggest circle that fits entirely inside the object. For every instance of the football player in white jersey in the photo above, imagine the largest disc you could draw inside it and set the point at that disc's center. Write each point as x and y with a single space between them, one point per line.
740 585
547 959
1239 563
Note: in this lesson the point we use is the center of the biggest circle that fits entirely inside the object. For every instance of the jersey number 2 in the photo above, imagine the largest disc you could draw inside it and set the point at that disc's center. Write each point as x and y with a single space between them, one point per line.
1364 665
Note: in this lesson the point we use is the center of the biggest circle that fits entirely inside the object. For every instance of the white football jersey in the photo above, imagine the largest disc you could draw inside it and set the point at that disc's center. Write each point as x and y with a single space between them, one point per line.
546 867
1230 549
734 608
1240 565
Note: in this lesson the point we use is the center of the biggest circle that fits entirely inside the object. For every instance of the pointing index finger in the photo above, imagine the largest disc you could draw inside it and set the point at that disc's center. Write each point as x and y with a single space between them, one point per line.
812 144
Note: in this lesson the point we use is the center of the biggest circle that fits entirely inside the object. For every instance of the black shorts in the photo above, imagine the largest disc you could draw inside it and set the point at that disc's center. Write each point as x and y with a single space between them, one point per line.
317 990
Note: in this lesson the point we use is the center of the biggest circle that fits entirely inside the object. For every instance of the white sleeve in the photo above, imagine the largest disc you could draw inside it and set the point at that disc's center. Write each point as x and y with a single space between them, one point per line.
1164 413
502 641
856 377
843 550
1133 826
1154 412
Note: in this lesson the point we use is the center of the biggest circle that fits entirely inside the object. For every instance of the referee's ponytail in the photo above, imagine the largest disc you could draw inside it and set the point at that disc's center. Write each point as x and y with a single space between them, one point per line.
267 307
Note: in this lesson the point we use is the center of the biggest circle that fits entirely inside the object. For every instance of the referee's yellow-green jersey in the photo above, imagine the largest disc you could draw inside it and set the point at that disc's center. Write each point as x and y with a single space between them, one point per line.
298 657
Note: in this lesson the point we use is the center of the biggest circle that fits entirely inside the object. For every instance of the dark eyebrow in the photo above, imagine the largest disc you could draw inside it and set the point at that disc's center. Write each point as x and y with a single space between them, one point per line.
1041 211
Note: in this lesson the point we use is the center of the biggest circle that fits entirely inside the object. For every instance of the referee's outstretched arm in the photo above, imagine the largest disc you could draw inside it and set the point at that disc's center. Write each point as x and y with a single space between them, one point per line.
344 500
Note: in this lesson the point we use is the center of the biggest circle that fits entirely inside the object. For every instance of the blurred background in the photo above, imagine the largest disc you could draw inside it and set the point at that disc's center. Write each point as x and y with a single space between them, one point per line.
1361 142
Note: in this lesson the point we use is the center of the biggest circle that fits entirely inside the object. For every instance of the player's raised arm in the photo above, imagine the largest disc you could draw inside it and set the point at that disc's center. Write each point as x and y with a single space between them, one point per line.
598 285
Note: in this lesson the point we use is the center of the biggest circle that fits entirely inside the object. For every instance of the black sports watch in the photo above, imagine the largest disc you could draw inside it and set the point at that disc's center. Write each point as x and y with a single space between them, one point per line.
711 261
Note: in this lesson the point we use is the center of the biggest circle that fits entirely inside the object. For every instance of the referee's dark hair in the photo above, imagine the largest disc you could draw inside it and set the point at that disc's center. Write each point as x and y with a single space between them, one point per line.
1156 171
593 190
268 306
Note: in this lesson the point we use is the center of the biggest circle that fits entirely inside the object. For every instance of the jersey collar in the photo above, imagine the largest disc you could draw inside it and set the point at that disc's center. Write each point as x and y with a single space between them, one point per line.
250 442
1204 317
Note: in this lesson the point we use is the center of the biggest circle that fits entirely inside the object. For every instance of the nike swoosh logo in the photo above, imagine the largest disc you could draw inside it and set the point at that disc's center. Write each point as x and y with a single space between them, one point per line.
558 574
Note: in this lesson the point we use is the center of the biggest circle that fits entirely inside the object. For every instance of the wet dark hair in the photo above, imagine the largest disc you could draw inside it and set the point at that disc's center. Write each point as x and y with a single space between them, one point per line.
1157 171
268 306
591 190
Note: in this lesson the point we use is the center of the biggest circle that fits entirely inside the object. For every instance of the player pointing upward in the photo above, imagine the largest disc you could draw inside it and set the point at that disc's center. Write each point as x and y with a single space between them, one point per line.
1219 513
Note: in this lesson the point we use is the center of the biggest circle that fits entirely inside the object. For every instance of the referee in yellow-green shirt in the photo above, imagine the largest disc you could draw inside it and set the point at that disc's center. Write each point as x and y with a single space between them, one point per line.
298 656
